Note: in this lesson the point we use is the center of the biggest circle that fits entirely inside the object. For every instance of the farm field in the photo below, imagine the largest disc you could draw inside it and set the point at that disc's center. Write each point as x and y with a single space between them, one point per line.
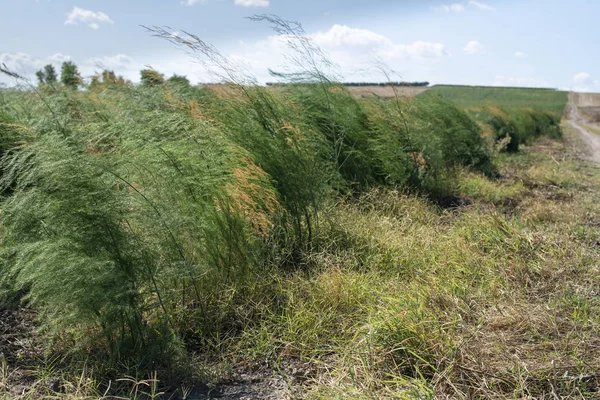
485 96
385 91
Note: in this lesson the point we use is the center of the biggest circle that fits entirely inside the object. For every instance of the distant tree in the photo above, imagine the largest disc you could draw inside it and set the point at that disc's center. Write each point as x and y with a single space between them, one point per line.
47 75
51 76
95 83
109 76
69 75
150 77
179 80
41 77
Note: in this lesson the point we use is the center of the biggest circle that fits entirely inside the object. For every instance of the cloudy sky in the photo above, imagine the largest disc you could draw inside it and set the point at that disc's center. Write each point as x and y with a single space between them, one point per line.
546 43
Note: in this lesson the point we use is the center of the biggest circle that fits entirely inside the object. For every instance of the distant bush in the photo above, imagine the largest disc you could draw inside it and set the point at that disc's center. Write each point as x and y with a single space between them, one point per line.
520 125
419 142
533 124
106 79
502 126
150 77
178 80
343 122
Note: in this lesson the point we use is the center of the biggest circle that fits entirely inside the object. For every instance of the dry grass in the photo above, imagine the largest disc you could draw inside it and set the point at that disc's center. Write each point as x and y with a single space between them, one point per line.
587 99
385 91
592 127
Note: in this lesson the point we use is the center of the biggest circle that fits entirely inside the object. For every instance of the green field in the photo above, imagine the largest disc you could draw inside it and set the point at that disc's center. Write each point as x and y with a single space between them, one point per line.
517 114
485 96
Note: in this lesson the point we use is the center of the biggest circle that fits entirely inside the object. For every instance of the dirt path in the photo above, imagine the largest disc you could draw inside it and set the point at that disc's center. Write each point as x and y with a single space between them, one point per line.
591 140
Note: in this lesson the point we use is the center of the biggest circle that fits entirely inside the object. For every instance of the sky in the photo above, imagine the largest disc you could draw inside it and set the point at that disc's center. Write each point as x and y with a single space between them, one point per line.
533 43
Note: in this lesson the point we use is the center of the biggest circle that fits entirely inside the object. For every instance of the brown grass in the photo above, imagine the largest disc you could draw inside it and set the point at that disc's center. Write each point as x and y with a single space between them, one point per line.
385 91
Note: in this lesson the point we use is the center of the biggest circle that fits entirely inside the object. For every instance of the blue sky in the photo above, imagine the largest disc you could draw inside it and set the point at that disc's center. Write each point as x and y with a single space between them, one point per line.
548 43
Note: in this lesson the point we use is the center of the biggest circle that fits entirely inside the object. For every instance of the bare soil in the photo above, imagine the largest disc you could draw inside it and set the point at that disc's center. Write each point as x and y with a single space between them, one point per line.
19 349
583 100
20 353
577 120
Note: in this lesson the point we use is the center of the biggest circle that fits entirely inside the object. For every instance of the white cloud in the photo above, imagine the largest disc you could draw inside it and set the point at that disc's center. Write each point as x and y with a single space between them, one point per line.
481 6
501 80
252 3
474 47
193 2
26 65
24 60
520 54
93 19
342 38
354 50
118 62
584 82
457 7
419 49
343 35
460 7
582 78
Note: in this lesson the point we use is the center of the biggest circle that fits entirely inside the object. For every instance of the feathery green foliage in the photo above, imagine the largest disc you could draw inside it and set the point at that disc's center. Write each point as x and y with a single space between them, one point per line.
130 216
519 126
144 204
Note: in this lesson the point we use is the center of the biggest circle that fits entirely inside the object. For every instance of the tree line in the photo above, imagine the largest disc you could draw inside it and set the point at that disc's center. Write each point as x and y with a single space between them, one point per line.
70 77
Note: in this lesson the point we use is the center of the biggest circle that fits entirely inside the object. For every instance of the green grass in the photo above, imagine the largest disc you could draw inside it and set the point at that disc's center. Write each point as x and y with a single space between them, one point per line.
475 186
549 100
